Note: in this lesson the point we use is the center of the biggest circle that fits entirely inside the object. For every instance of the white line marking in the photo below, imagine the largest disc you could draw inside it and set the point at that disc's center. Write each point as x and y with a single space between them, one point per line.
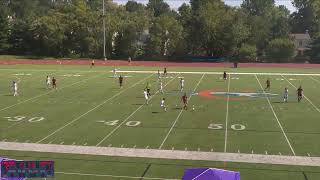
186 149
85 144
238 150
304 96
62 142
227 117
314 79
201 174
121 145
110 145
147 147
73 143
211 150
162 154
280 154
79 117
309 155
276 117
236 73
266 152
172 148
125 120
251 151
112 176
198 149
35 97
175 122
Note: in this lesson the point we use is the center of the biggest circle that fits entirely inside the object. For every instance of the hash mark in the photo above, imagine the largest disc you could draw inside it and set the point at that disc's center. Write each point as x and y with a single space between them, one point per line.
186 149
62 142
266 152
238 151
134 146
309 155
122 146
172 148
73 143
211 150
280 154
198 149
110 145
147 147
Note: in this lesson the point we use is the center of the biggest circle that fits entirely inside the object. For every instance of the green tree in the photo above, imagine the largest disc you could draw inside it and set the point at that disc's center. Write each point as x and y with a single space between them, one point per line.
281 50
165 36
4 27
158 7
247 53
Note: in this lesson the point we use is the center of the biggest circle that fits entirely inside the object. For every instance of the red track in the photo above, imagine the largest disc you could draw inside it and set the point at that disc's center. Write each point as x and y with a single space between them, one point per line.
157 63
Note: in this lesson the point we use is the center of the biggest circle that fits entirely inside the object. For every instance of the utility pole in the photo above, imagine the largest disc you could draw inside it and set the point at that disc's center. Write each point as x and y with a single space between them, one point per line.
104 32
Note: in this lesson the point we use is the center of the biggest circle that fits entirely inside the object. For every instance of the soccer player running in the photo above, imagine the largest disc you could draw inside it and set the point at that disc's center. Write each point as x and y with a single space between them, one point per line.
114 72
148 87
163 104
161 86
48 82
120 81
181 84
225 75
15 88
185 101
300 93
92 63
165 71
285 95
159 74
54 83
146 97
268 85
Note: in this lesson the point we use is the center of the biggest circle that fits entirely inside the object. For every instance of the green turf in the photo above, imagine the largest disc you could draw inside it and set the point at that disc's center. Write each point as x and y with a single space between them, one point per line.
72 115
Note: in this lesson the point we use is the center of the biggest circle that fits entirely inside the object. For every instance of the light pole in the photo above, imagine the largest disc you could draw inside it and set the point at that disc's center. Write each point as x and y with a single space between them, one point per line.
104 32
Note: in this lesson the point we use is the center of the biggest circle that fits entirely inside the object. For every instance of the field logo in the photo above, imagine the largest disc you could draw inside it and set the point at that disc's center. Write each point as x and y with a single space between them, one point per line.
235 95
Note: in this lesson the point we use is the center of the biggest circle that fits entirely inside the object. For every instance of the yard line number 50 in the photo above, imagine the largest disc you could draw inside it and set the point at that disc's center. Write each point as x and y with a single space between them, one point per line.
236 127
22 118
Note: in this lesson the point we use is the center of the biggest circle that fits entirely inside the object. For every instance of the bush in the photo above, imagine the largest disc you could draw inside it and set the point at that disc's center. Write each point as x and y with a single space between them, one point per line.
247 53
281 50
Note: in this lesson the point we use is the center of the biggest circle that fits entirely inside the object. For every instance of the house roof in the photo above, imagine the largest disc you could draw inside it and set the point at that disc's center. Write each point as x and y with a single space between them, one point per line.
304 36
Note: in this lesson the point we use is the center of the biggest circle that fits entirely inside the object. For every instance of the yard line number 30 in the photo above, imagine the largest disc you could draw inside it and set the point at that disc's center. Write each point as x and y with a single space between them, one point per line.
22 118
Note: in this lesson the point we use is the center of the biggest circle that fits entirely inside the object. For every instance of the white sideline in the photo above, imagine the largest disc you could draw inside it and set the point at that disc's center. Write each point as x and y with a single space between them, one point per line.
116 128
162 154
175 122
84 114
236 73
227 117
275 115
51 91
303 95
113 176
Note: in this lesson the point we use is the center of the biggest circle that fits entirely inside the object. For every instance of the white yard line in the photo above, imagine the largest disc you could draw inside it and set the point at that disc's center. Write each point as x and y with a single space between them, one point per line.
125 120
227 117
162 154
303 95
276 117
201 174
51 91
176 120
84 114
236 73
314 79
113 176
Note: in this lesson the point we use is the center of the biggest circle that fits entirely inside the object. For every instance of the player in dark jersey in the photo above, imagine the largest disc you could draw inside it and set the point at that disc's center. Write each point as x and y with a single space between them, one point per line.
120 81
54 83
268 85
300 93
165 71
224 75
185 101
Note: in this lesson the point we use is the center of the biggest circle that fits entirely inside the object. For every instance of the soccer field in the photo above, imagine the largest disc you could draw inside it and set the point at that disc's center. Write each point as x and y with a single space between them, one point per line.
236 116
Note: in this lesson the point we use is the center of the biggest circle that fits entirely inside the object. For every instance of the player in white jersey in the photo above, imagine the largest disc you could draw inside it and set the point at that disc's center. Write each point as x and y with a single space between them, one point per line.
114 72
161 86
48 82
145 93
181 84
15 88
285 95
163 104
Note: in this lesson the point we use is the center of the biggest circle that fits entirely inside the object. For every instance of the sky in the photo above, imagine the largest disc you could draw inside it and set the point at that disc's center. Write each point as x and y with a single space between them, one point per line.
175 4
